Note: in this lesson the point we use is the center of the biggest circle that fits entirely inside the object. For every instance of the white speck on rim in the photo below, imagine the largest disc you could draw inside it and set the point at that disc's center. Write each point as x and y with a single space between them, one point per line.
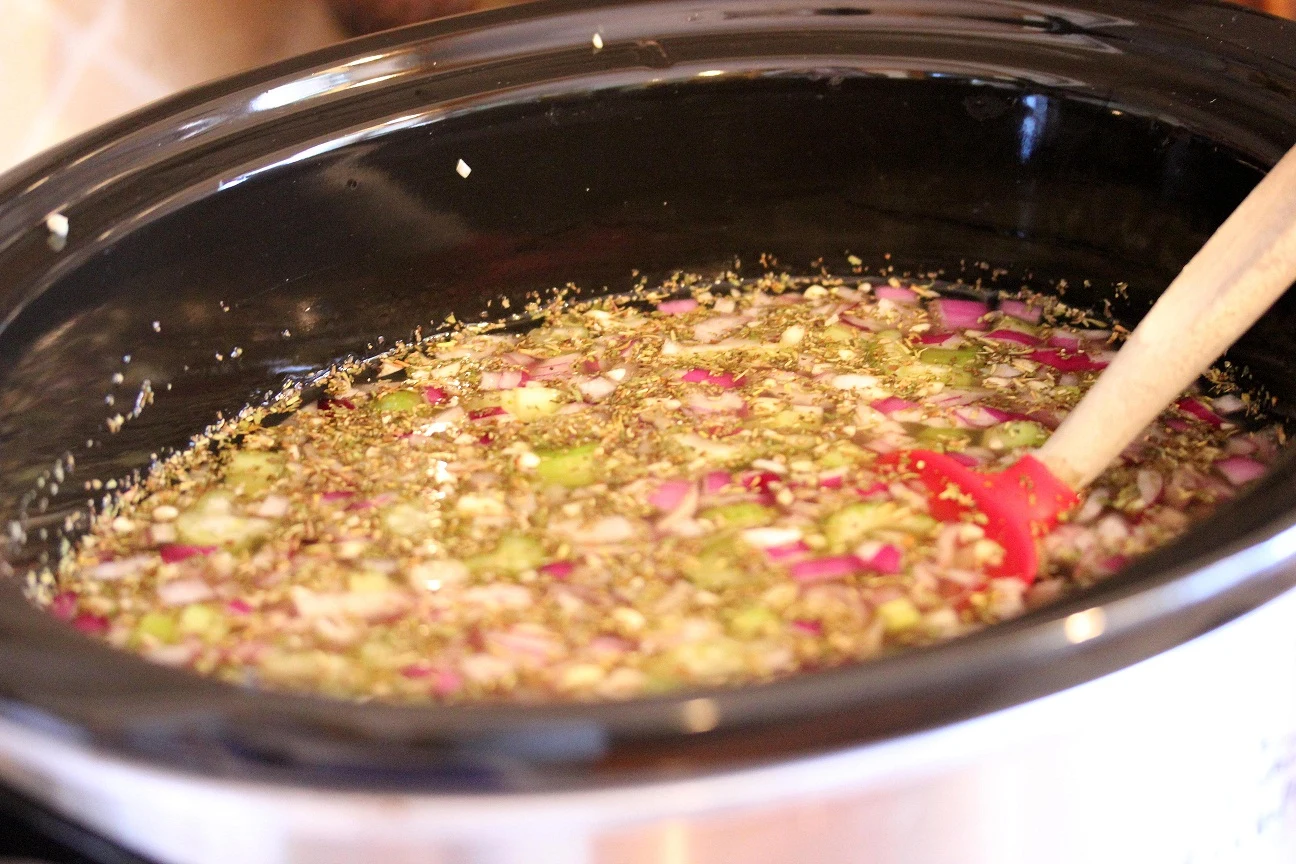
462 169
57 224
598 41
157 326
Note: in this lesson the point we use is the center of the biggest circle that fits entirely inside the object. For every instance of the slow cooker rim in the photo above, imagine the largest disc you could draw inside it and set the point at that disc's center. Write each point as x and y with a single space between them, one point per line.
1134 602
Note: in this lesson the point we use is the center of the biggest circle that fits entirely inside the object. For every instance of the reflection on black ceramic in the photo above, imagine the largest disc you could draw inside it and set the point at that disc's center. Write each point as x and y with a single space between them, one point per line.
313 210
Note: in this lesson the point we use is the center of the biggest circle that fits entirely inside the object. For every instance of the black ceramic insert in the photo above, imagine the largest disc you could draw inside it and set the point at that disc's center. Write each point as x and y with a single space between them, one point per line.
312 210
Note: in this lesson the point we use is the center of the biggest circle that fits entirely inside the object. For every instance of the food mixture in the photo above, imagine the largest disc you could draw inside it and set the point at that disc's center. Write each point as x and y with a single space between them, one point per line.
634 496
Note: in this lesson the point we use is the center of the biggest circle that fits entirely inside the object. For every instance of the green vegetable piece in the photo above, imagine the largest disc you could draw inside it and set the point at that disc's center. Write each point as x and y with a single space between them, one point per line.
513 554
942 437
745 514
844 454
899 615
755 622
710 659
253 470
962 357
530 403
573 467
841 333
857 522
158 625
1014 434
716 566
212 522
199 619
398 401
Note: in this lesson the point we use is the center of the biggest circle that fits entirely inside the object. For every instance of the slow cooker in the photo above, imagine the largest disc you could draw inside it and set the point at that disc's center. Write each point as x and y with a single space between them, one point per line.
165 270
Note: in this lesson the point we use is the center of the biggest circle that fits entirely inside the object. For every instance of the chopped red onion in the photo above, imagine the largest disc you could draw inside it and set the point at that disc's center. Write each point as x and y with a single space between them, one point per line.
1240 445
64 605
435 395
447 681
91 625
1066 340
808 626
509 379
760 480
1021 310
118 568
725 403
713 328
1150 486
982 416
902 296
677 307
238 607
832 479
714 481
417 670
174 553
1014 336
1191 406
337 495
669 494
328 403
955 314
1229 403
825 569
182 592
936 338
695 376
1177 424
596 389
865 324
787 551
885 561
554 367
559 570
484 413
1067 362
1239 470
517 358
892 404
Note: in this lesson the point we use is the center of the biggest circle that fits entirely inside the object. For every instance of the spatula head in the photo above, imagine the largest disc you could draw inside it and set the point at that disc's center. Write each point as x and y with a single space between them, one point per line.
1014 506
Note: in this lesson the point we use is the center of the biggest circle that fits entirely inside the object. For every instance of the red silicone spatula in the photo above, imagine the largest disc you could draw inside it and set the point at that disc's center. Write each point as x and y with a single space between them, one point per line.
1244 267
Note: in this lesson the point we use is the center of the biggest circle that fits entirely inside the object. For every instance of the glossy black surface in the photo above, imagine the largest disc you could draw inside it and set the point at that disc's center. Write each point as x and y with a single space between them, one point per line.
313 210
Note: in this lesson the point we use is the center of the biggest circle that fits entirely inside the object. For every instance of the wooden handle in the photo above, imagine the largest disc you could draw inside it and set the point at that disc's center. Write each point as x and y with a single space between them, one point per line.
1245 266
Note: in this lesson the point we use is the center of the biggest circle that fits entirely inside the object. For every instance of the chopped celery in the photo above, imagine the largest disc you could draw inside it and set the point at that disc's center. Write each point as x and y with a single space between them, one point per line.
841 333
715 567
512 554
1014 434
857 522
755 622
573 467
942 436
253 470
899 615
948 356
530 403
745 514
158 625
398 401
844 454
199 619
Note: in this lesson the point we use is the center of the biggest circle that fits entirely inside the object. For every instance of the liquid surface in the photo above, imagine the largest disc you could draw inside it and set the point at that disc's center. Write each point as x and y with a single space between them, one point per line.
634 497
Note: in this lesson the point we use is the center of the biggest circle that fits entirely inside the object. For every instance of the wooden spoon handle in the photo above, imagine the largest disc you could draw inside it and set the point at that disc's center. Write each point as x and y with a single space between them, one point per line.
1245 266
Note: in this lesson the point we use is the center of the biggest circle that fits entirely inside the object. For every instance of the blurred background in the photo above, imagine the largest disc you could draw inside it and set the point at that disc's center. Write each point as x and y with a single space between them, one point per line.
69 65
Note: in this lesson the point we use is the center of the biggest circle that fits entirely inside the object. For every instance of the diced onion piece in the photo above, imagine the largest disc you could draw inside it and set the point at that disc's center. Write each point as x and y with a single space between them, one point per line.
1195 408
1150 486
1239 470
1068 362
668 495
596 389
892 404
174 553
677 307
956 314
901 296
825 569
1229 403
1013 336
1021 311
